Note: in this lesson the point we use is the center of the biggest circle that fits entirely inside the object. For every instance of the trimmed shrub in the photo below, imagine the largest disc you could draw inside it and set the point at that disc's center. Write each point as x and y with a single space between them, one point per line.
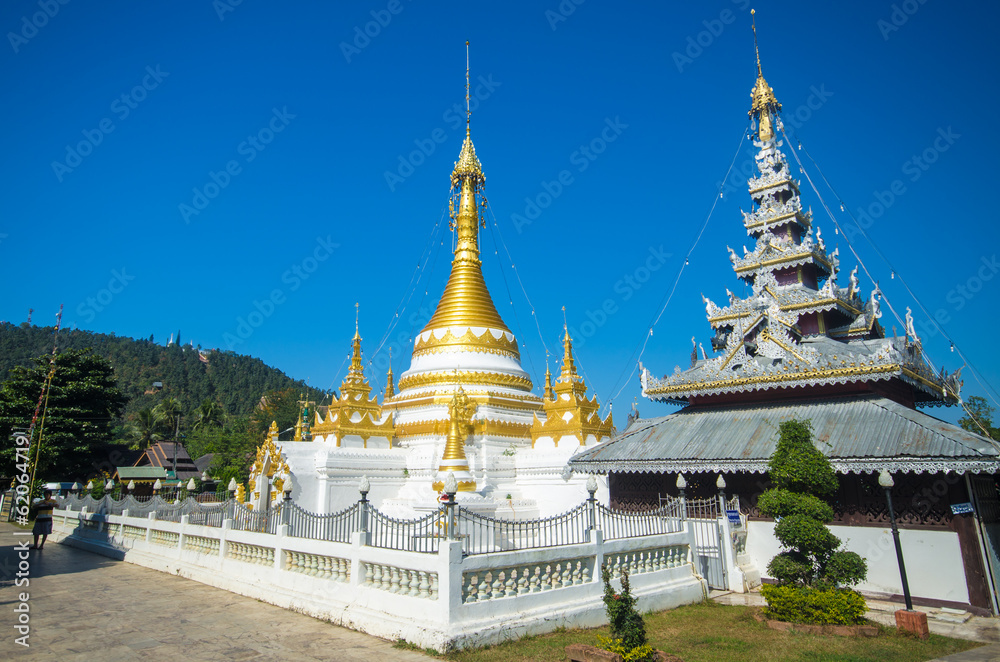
782 503
797 465
812 566
796 604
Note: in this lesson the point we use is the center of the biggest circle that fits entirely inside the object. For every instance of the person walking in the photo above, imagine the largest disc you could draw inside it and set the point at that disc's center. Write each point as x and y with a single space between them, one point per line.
43 519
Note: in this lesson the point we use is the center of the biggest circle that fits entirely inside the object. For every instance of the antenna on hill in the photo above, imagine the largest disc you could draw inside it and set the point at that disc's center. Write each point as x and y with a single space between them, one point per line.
30 310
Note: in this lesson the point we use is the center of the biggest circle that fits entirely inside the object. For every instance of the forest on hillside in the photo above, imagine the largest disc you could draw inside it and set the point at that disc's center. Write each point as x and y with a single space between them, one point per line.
104 396
190 375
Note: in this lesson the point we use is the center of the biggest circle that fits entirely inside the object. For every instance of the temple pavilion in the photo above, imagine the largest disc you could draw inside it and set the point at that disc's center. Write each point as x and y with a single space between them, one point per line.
800 344
465 407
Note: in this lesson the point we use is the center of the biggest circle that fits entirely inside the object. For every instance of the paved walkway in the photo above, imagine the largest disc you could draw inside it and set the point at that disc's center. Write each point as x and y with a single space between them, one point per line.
85 606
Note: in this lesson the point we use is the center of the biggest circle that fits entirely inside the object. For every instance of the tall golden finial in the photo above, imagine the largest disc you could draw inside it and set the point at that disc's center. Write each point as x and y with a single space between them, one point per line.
357 311
466 301
753 25
764 101
468 107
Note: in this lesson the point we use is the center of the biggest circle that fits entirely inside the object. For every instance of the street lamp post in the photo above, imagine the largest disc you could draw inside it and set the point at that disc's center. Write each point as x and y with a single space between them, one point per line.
681 491
906 619
450 489
885 480
592 501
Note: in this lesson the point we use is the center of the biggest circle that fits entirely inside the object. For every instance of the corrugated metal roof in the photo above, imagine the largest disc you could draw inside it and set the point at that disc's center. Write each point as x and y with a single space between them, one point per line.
149 473
859 434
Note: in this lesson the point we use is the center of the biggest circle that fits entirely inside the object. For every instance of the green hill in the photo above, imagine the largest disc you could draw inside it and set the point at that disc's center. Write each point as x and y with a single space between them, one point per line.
235 381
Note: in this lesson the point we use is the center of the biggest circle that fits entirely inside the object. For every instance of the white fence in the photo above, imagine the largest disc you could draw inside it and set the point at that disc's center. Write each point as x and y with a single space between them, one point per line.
451 598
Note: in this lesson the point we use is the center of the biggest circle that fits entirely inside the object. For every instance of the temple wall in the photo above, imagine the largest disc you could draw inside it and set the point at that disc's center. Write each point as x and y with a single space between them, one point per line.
442 600
933 559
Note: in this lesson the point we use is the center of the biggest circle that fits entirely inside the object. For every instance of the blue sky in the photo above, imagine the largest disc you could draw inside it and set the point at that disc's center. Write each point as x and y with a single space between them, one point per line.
203 165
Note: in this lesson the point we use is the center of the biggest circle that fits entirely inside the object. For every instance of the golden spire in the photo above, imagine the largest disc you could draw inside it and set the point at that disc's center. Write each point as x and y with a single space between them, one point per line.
549 394
390 386
461 411
356 373
764 101
466 300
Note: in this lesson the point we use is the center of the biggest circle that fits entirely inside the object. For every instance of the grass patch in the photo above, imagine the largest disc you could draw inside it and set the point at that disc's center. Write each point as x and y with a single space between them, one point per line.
710 632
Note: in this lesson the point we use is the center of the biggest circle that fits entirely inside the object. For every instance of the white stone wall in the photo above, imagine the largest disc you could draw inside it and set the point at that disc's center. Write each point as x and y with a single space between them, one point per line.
441 600
933 559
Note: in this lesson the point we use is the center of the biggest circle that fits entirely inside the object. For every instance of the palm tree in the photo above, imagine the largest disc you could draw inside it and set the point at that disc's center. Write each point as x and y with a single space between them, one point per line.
145 429
168 413
208 413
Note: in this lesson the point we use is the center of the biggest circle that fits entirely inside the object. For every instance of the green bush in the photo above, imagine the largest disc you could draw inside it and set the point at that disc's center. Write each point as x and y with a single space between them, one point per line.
792 567
807 535
628 630
844 568
782 503
799 466
804 604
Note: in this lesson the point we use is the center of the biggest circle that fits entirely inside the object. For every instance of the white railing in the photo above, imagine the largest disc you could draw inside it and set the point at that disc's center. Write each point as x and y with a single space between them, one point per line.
479 534
387 592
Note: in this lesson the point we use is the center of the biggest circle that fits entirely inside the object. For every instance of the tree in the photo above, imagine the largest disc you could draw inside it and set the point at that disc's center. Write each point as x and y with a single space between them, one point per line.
209 413
145 429
168 414
84 404
281 406
813 568
979 413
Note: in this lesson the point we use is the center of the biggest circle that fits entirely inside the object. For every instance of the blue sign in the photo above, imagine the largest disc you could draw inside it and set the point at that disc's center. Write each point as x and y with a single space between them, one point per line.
734 517
961 508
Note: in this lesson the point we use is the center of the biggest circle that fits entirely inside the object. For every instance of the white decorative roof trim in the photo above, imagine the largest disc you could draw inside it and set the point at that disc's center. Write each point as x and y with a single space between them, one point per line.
841 466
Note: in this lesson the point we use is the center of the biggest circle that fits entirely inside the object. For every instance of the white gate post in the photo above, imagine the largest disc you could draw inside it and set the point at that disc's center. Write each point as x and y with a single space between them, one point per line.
731 572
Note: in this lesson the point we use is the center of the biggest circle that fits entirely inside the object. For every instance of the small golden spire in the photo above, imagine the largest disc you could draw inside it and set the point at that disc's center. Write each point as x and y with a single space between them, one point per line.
764 101
390 386
356 373
453 460
549 393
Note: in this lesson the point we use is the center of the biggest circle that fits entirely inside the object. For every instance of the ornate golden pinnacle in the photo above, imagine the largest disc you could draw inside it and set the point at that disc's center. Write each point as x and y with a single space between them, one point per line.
764 101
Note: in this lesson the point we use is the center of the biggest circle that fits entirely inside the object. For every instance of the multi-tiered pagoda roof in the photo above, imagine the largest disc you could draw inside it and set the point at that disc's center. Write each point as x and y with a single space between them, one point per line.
797 327
798 343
